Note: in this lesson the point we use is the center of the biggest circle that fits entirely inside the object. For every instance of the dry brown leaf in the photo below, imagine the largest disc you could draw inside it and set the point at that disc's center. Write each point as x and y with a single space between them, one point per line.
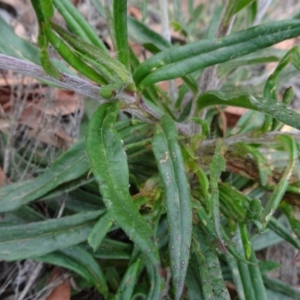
41 110
233 114
64 103
135 12
61 292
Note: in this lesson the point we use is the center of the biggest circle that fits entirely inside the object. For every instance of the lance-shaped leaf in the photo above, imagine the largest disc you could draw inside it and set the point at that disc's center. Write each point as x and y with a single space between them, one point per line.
143 35
277 110
207 225
276 196
178 198
39 238
99 231
69 166
205 283
111 249
13 45
292 56
256 278
218 164
109 165
77 23
180 61
120 30
284 232
79 261
44 11
293 216
211 263
280 286
112 70
244 271
233 7
69 56
193 279
129 281
235 275
270 90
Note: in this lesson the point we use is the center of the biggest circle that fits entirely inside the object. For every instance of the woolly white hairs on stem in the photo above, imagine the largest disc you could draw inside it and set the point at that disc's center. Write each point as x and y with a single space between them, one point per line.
66 81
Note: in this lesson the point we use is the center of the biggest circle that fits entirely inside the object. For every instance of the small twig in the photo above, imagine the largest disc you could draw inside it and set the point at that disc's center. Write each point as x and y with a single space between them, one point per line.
262 8
165 19
31 280
62 207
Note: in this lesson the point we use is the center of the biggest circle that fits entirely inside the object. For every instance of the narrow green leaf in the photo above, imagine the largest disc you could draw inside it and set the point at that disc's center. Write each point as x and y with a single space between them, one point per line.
218 164
82 257
13 45
112 70
180 61
270 90
110 249
276 196
267 266
287 98
293 217
120 30
99 231
207 224
178 198
39 238
279 286
262 162
129 281
70 57
156 282
69 166
245 240
246 280
47 65
153 42
26 214
79 261
214 23
109 165
231 246
235 275
145 36
244 271
214 269
292 56
233 203
256 278
233 7
277 110
44 11
77 23
259 57
206 283
193 279
283 232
